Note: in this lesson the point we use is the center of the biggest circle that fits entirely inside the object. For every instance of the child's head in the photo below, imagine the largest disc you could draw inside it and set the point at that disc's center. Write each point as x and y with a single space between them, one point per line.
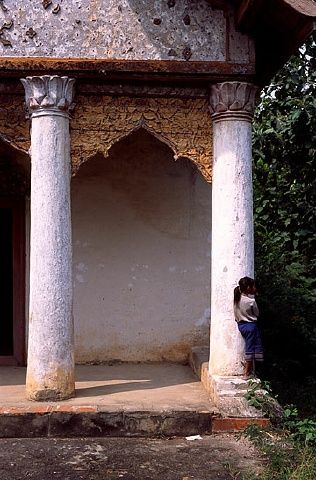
247 286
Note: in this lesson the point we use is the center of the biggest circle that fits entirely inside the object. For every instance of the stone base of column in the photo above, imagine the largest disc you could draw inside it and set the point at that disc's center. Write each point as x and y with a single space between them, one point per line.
227 393
51 389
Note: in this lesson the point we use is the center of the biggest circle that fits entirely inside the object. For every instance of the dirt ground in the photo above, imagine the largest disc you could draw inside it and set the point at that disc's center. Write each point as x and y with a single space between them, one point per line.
220 457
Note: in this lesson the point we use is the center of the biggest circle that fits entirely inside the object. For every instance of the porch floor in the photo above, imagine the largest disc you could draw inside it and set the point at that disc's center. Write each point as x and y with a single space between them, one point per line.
119 387
111 400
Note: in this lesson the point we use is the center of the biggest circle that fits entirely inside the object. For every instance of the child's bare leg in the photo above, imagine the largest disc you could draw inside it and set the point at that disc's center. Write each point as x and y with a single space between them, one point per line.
248 368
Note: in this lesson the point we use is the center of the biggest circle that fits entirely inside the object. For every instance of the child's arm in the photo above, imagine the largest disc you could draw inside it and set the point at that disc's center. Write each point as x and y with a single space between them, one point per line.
255 309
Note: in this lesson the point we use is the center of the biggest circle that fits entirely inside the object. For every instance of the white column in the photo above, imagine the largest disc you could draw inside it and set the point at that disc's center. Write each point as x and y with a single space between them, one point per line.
232 106
50 368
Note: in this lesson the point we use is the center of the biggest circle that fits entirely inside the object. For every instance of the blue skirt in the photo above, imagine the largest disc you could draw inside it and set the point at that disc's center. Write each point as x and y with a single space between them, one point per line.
253 344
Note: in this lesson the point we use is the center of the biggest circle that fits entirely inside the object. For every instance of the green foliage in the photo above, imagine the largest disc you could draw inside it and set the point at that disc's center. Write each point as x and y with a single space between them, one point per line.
259 395
306 430
252 396
288 456
303 430
290 449
284 147
285 169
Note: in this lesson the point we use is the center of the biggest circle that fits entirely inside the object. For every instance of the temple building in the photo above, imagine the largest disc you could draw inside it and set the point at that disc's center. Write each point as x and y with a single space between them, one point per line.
126 177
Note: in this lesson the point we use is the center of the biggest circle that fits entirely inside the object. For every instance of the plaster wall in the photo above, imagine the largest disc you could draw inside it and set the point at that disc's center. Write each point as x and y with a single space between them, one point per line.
128 30
141 237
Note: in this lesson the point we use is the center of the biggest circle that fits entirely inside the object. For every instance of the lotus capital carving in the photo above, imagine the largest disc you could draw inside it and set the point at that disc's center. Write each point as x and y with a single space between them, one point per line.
49 93
233 100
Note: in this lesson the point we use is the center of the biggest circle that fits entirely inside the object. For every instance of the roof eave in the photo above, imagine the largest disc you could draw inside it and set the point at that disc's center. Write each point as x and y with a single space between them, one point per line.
278 27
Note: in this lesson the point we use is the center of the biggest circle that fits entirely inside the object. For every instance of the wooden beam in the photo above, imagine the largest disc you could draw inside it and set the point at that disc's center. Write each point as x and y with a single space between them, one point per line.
153 70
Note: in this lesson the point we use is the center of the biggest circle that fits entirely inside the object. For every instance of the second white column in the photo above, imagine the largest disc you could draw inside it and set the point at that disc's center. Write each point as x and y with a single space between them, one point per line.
232 106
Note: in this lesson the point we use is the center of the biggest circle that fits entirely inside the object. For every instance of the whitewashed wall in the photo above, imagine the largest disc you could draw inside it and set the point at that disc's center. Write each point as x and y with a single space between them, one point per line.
141 236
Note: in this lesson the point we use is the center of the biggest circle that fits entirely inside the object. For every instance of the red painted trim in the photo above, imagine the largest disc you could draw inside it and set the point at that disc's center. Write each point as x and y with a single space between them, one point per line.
236 424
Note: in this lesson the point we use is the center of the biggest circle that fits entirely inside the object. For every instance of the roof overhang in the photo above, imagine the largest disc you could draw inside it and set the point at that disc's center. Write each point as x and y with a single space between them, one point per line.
278 27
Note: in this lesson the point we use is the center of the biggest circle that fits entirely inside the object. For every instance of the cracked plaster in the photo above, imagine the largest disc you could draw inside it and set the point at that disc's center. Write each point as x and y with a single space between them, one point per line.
100 121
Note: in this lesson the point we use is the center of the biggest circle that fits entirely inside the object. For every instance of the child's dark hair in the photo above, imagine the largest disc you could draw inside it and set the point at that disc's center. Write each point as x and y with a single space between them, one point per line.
244 284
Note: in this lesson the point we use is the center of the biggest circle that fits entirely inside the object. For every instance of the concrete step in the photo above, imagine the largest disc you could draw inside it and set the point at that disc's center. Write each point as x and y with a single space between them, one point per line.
94 422
228 394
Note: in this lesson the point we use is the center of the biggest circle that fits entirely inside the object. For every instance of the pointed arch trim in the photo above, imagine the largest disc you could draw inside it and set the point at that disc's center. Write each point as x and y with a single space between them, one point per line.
99 121
183 124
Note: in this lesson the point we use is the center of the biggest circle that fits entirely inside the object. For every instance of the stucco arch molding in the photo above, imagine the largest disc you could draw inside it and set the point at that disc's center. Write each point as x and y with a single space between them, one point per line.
183 124
98 122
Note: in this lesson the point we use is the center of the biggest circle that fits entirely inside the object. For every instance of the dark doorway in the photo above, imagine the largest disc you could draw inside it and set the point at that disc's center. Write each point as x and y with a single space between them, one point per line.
6 286
12 281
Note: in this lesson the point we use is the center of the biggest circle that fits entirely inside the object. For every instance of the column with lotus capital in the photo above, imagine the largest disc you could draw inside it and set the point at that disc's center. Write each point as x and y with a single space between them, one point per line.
232 106
50 363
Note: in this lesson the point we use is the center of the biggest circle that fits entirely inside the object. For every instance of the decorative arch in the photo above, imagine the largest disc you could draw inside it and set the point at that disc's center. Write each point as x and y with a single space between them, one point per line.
99 121
182 124
139 136
142 125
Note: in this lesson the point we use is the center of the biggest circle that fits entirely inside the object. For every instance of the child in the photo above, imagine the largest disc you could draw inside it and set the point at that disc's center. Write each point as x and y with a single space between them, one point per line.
246 313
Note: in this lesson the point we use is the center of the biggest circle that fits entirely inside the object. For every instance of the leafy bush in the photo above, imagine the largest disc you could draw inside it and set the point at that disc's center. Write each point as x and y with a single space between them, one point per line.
284 148
284 460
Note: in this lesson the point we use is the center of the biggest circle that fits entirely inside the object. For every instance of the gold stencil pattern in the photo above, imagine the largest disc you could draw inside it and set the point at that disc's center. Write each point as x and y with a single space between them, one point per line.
99 121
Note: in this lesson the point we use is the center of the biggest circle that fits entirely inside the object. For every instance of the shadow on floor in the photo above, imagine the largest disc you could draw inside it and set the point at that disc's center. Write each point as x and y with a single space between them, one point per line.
101 380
